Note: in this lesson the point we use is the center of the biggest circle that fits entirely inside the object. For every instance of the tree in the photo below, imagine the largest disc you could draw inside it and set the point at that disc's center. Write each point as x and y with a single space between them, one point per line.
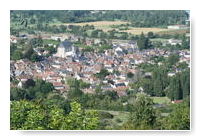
112 94
184 43
147 85
143 115
35 57
32 21
84 85
160 81
29 83
185 83
27 115
28 52
102 74
179 87
36 42
130 75
18 94
75 93
17 55
150 35
173 59
174 91
143 42
178 119
42 88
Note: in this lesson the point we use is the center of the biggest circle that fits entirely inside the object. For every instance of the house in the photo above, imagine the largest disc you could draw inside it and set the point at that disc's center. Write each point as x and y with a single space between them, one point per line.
13 39
171 74
177 27
65 49
58 86
121 93
177 101
57 37
118 49
119 85
19 85
174 41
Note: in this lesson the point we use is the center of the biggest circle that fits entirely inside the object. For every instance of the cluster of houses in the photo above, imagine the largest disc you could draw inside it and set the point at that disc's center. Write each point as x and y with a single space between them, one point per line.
68 63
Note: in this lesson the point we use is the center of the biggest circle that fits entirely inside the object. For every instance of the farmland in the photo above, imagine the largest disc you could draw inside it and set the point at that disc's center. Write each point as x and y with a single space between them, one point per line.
107 25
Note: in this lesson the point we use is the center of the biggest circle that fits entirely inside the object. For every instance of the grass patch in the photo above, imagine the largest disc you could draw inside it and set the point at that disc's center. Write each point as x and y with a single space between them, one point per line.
120 117
158 40
170 31
50 41
161 100
102 25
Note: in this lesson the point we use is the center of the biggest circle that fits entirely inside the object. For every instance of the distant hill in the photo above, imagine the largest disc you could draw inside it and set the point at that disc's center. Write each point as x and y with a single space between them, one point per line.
138 18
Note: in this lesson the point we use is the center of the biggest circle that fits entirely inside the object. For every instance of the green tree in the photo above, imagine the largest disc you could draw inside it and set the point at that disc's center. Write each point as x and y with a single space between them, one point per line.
112 94
143 115
185 83
17 55
102 74
75 93
173 59
27 115
143 42
160 81
42 88
130 75
179 87
28 52
29 83
184 42
18 94
147 85
174 91
32 21
34 57
150 35
178 119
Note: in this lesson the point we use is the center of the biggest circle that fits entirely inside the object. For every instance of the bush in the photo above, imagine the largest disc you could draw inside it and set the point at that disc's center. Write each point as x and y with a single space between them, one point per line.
118 120
105 115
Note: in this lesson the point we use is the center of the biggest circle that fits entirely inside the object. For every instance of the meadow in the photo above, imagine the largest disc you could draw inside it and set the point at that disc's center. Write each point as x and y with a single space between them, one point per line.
108 25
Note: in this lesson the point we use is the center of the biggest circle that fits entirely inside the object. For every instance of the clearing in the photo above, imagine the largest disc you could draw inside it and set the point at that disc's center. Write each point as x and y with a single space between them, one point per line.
107 25
161 100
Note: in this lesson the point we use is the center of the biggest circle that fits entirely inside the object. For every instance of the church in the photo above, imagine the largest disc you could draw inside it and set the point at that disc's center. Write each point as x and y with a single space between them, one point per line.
66 49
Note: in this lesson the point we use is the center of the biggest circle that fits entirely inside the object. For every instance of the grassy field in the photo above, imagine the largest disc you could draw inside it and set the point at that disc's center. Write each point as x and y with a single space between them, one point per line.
120 117
50 41
161 100
174 31
107 25
139 30
159 40
103 25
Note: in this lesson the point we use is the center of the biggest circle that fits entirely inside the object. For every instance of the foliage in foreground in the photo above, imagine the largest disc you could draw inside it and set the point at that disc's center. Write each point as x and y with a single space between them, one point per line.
28 115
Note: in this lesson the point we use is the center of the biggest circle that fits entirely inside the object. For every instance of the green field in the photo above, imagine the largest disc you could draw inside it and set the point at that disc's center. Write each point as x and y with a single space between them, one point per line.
120 117
161 100
181 31
50 41
159 40
108 25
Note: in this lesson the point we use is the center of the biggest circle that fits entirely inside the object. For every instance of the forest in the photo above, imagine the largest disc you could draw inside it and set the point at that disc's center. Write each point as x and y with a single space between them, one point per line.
138 18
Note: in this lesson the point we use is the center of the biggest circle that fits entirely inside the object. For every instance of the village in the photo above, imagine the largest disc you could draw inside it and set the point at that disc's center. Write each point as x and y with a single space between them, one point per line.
69 62
100 70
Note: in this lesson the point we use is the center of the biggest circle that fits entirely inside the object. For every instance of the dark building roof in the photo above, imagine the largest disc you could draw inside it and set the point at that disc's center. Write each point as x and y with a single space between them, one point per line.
65 44
120 84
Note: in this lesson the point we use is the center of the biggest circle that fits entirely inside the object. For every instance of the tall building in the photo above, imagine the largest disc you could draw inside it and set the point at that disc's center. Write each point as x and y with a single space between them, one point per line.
66 49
